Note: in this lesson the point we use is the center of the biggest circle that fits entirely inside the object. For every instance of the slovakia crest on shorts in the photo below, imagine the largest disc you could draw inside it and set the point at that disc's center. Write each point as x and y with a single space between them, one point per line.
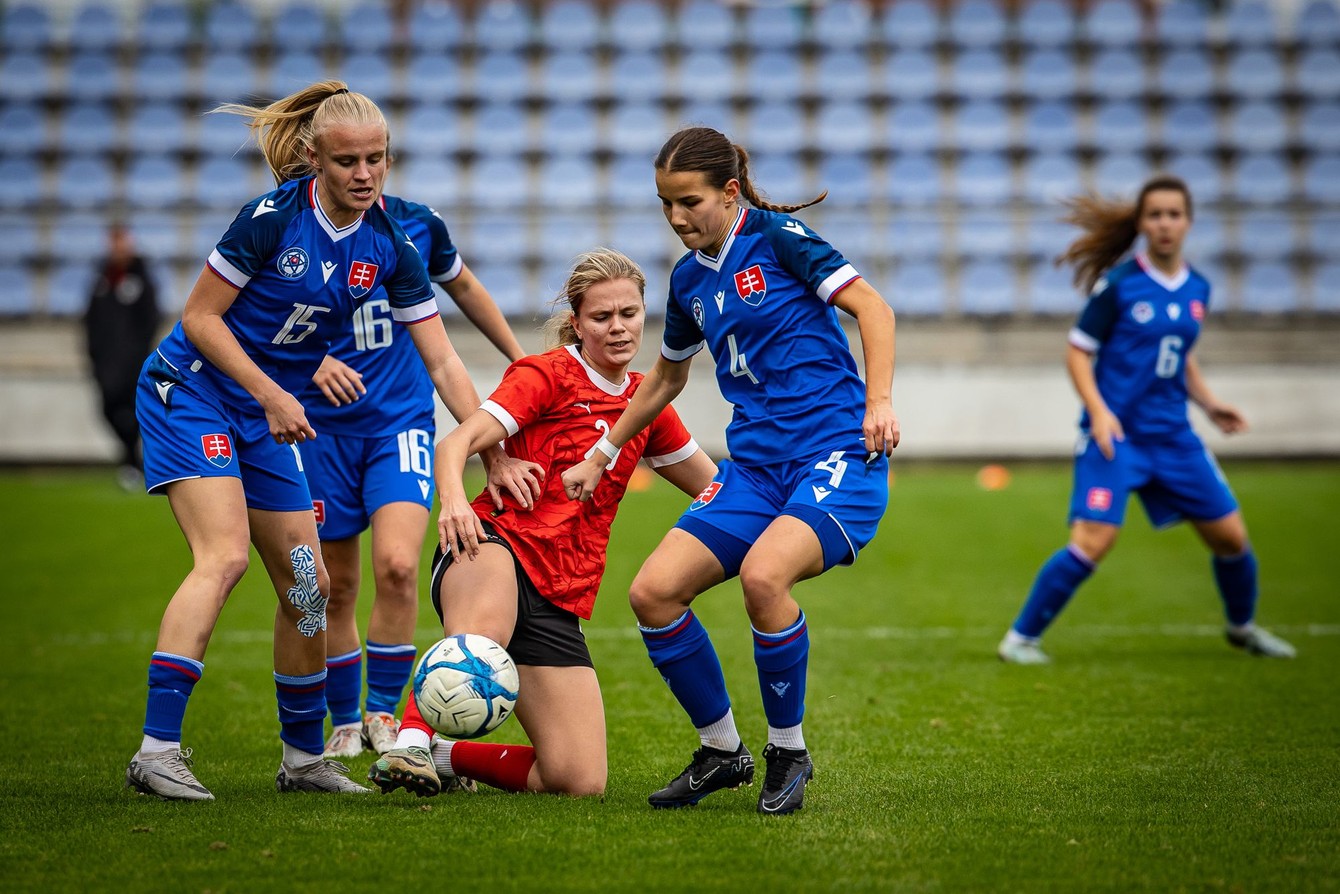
709 493
319 510
1099 499
218 449
751 286
362 276
1197 310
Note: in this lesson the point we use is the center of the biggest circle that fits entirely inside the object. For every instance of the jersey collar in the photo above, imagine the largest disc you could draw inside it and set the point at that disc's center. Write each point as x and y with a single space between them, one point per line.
335 233
715 262
596 378
1171 283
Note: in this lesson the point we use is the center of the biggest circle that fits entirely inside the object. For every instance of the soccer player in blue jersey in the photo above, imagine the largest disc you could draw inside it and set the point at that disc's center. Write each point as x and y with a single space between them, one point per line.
1131 360
807 481
372 401
221 424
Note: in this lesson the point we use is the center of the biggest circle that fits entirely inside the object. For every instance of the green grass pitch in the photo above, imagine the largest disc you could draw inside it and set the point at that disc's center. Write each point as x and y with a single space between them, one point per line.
1149 756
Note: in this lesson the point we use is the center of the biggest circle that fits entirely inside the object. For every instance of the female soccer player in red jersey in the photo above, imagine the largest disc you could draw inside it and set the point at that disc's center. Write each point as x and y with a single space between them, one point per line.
526 579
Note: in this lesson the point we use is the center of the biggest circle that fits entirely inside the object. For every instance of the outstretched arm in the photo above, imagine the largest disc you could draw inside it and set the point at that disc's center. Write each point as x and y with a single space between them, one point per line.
874 320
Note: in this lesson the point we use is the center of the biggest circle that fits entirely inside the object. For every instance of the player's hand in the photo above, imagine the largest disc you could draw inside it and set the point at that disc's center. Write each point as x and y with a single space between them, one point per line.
1105 430
520 478
339 382
288 420
1227 418
579 482
459 529
881 429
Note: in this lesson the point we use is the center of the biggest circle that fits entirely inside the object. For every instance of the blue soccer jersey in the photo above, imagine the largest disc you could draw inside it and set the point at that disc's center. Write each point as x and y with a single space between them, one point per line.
763 307
300 279
399 391
1142 324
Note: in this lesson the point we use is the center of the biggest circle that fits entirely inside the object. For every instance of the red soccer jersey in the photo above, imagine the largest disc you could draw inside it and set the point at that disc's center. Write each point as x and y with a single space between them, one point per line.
555 407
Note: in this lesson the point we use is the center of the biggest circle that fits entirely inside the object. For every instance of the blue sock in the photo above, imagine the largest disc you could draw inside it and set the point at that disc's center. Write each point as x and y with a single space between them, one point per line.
1236 577
1058 580
171 679
389 668
683 653
302 710
344 684
783 659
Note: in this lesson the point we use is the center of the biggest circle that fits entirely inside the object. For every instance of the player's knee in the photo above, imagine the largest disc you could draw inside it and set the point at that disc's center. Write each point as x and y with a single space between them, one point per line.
1095 542
227 566
763 585
650 595
573 779
397 578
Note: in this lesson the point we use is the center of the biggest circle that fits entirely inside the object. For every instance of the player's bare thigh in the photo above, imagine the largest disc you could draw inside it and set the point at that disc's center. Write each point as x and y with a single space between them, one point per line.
563 713
674 574
1225 536
479 595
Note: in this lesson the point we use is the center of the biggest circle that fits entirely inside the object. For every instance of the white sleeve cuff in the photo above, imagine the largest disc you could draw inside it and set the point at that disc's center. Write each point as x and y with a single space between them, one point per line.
451 274
834 282
424 310
671 354
1083 340
669 459
497 412
226 271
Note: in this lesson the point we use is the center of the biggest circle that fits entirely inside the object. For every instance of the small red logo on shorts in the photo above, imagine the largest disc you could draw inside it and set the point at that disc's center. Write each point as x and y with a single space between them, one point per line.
218 449
319 510
1099 499
709 493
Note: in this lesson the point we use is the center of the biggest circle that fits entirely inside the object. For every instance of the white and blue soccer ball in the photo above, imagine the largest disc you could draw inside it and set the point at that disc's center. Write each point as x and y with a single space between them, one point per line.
465 685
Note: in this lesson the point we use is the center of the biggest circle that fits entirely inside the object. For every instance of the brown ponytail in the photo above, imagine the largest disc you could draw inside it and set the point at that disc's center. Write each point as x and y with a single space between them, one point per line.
1110 229
709 152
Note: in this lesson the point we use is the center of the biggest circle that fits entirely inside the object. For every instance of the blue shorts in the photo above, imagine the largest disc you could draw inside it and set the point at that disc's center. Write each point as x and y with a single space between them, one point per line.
1176 480
838 494
353 477
192 434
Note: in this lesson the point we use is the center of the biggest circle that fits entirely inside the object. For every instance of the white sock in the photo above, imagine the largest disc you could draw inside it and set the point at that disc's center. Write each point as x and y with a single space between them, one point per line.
789 737
412 738
1017 639
442 756
721 735
149 745
297 759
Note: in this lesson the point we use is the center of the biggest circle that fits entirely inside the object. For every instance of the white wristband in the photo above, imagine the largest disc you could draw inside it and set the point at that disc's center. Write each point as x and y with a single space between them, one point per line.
606 446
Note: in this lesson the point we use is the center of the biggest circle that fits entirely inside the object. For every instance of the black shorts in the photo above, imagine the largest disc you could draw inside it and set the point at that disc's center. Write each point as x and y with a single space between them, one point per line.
545 635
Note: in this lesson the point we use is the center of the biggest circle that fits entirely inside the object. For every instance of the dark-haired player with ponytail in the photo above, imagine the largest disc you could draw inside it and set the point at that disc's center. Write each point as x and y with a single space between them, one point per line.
807 481
1130 359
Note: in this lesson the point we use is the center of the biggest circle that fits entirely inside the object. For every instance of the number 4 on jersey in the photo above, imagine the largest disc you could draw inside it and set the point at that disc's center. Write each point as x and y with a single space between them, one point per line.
836 466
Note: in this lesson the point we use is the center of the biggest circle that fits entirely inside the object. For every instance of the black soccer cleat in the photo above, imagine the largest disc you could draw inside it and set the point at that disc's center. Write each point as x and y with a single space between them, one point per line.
711 770
784 785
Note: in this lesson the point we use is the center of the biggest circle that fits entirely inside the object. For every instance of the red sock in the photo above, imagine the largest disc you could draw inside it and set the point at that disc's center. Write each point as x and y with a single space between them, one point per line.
502 766
412 719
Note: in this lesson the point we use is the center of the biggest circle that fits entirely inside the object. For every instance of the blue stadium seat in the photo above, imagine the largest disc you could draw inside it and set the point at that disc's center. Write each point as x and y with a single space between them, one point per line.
67 288
1254 74
1189 126
23 129
231 26
629 178
1256 127
981 125
372 75
1046 236
1051 290
299 27
493 237
499 127
500 76
228 77
769 75
778 27
918 288
848 230
1206 241
1250 23
1321 178
92 75
1048 178
775 127
1265 236
222 134
1318 25
436 28
367 28
1182 23
914 179
1045 24
158 127
1047 75
842 25
432 129
639 26
914 127
845 126
1319 126
843 73
983 178
1116 74
88 127
984 235
1111 23
18 241
710 112
1121 127
910 24
158 236
1326 287
1050 127
976 23
1261 178
639 76
96 27
25 27
916 236
570 76
645 238
509 285
705 73
1323 235
848 178
293 70
781 177
568 128
161 75
85 182
432 179
498 181
987 288
1119 174
225 183
979 74
1270 288
703 24
165 27
19 297
153 181
1201 173
1317 73
908 75
434 77
564 235
1185 74
501 26
637 129
81 235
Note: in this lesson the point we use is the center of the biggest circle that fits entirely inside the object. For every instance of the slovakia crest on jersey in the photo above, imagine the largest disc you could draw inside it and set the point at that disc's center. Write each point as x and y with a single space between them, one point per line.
1197 310
292 263
751 286
362 276
218 449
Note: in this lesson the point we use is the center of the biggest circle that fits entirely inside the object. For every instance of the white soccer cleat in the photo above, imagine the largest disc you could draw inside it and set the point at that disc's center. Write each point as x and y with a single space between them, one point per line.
379 731
322 776
344 741
1014 650
166 775
1259 641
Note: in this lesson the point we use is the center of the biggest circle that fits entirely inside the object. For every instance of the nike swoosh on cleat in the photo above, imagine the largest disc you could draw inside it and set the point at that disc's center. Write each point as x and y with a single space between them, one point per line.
175 781
696 784
781 798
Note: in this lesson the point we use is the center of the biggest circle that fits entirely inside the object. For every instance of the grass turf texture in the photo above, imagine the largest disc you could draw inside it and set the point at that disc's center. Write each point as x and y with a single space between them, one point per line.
1150 755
